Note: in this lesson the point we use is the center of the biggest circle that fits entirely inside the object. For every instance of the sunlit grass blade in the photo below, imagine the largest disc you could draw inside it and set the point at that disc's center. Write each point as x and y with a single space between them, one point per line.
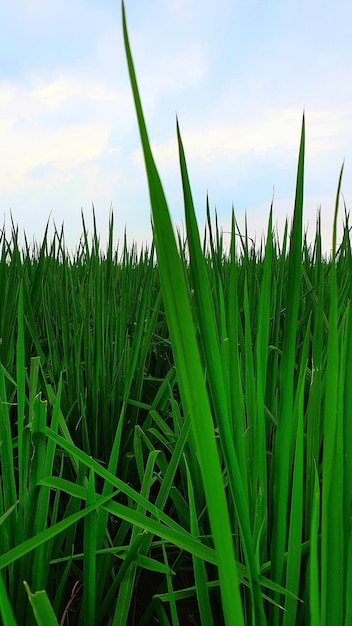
332 467
315 399
220 398
42 608
283 448
260 480
238 422
6 611
189 370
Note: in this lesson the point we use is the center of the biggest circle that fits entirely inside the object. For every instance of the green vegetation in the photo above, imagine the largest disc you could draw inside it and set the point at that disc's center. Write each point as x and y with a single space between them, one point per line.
175 430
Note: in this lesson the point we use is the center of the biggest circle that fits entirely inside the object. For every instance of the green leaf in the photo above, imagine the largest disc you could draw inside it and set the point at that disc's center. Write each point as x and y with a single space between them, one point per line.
42 609
189 369
6 612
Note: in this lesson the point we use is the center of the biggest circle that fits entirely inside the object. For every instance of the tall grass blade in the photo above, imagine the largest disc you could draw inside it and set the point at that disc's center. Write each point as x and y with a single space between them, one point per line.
332 549
42 608
220 397
285 433
188 367
6 611
314 594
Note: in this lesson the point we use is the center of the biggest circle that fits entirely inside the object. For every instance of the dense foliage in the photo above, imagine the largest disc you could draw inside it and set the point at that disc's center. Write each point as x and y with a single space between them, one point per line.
87 373
175 428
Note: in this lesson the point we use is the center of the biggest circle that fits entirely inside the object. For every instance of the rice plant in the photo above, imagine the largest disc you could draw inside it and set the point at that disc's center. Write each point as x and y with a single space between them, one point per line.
175 423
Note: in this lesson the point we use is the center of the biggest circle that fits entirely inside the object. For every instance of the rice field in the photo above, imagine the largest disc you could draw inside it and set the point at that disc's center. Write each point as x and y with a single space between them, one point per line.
175 423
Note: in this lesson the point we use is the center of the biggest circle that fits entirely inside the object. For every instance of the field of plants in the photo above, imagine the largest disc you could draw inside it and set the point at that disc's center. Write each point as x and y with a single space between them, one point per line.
176 424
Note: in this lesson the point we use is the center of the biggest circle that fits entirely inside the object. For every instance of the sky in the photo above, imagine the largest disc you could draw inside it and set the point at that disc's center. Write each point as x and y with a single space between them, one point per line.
237 74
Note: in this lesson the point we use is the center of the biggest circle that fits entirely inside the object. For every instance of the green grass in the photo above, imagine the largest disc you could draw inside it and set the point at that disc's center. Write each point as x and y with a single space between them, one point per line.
175 423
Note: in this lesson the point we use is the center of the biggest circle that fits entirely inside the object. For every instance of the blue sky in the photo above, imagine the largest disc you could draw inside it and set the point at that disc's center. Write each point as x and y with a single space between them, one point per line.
238 75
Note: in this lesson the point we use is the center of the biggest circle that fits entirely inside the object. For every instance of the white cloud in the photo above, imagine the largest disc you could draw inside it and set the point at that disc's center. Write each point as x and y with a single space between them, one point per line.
181 6
59 148
174 72
325 131
55 92
38 8
33 141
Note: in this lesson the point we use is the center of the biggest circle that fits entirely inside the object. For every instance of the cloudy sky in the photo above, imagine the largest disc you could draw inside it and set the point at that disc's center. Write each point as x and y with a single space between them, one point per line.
237 73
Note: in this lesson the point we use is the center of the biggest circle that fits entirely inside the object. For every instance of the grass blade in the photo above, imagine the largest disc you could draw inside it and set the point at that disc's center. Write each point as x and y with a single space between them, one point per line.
42 608
188 367
6 611
332 470
282 458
